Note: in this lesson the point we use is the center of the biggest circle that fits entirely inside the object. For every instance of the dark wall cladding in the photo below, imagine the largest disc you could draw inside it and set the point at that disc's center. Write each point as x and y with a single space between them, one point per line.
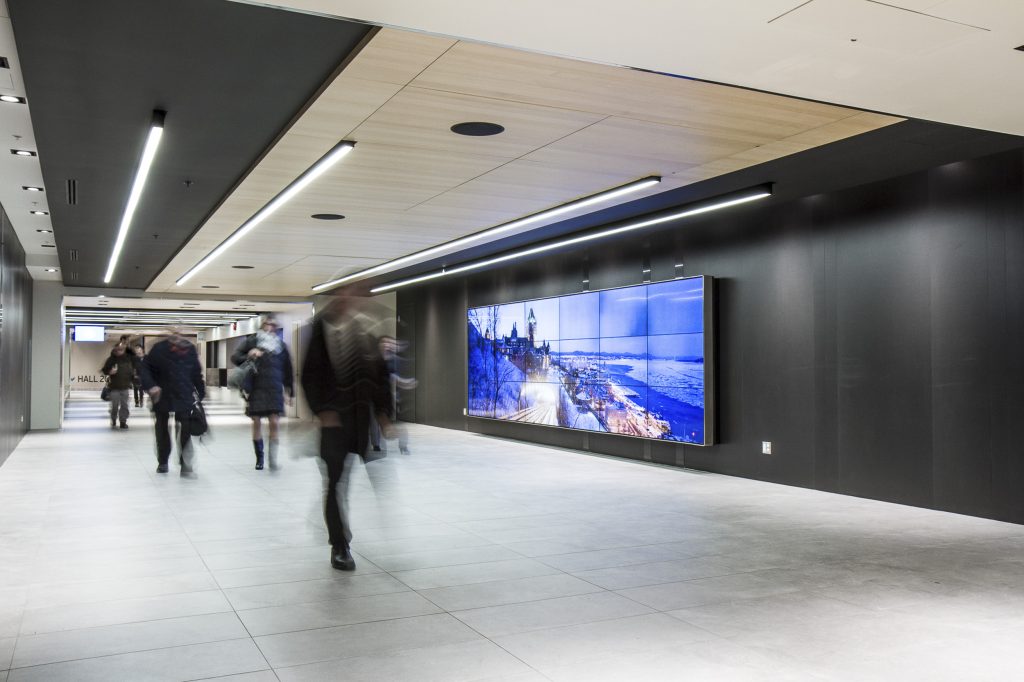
873 335
15 327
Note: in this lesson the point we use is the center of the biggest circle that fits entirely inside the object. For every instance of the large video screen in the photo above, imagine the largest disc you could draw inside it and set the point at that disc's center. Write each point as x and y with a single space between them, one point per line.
628 361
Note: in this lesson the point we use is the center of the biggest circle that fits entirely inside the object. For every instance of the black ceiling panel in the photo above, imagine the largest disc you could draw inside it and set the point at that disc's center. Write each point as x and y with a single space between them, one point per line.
230 77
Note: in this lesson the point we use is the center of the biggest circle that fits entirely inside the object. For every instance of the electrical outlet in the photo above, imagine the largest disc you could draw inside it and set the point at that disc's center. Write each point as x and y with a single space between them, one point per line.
766 447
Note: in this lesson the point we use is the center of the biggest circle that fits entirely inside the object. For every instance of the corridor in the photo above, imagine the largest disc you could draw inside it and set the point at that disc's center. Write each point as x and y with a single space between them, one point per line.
477 559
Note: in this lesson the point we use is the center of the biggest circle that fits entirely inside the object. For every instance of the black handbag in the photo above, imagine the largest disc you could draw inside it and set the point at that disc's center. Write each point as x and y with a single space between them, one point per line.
197 424
105 392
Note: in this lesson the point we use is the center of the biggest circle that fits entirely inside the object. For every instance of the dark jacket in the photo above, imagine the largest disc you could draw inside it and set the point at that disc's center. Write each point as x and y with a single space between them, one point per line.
350 378
176 370
126 366
273 371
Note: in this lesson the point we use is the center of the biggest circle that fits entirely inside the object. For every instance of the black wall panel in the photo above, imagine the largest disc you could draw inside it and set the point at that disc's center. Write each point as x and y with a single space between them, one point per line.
15 328
873 334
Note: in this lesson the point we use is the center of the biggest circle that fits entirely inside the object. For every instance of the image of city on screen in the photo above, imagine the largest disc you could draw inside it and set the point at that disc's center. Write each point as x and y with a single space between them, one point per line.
627 361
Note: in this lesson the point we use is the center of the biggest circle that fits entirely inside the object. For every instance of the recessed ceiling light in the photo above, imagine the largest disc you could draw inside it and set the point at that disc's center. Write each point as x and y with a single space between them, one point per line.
477 128
23 152
243 267
51 269
328 216
39 212
12 99
49 246
211 286
31 188
45 231
4 64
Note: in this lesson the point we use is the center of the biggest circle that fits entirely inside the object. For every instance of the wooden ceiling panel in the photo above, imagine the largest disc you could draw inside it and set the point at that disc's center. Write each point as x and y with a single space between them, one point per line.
397 56
572 129
583 86
421 119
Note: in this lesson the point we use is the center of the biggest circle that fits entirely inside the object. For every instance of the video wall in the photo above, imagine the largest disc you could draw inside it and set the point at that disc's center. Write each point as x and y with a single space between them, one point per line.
629 361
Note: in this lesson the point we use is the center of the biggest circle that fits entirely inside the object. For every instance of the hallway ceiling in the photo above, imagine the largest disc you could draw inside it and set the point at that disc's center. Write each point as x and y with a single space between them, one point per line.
571 129
243 123
95 71
950 61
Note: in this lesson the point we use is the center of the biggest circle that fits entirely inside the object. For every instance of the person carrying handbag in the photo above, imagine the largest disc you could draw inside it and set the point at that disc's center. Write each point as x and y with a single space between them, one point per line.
119 370
267 375
173 378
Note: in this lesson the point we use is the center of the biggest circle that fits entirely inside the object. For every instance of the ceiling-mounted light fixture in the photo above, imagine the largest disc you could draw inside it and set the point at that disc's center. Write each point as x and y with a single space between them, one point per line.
324 164
12 99
39 212
156 131
598 198
23 152
715 204
31 188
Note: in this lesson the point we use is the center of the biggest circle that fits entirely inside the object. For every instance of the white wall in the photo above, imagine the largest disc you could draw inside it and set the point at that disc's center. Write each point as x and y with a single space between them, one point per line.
86 359
47 355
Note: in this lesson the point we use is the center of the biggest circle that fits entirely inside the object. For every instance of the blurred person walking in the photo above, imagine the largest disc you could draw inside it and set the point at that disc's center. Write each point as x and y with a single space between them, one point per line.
173 378
272 373
139 354
346 384
120 369
392 351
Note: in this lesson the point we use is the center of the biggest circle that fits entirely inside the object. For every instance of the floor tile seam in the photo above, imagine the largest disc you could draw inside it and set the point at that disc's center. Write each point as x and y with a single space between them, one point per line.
134 651
358 655
542 628
460 563
666 582
597 589
339 599
233 675
130 622
439 612
611 549
282 582
487 639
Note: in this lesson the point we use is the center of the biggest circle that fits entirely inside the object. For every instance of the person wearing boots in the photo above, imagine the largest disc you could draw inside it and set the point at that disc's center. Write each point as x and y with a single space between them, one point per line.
273 372
139 354
173 378
346 384
120 371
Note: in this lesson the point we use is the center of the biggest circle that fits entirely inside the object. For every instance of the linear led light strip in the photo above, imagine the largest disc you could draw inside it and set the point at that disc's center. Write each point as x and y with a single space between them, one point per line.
759 193
156 131
325 163
504 227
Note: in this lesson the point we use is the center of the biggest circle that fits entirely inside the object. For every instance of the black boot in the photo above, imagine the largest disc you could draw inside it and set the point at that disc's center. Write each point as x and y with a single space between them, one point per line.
341 559
257 445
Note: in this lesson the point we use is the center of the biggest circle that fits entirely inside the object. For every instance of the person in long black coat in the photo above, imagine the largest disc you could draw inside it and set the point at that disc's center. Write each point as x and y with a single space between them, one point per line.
346 384
173 378
272 376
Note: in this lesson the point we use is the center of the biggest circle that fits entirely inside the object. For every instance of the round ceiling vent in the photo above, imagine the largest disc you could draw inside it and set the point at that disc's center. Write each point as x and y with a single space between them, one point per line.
328 216
477 128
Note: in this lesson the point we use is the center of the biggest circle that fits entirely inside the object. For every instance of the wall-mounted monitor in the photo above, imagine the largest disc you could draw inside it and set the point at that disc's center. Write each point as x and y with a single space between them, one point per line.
629 361
88 333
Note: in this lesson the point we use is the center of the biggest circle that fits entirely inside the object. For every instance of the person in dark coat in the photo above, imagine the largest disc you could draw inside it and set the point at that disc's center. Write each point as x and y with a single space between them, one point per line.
273 372
346 384
120 371
173 378
139 354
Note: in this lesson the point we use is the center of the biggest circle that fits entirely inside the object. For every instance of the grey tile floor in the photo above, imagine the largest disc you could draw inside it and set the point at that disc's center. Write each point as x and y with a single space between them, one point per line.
478 559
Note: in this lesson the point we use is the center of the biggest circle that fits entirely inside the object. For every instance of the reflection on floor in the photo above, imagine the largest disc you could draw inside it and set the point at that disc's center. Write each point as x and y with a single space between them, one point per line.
478 559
